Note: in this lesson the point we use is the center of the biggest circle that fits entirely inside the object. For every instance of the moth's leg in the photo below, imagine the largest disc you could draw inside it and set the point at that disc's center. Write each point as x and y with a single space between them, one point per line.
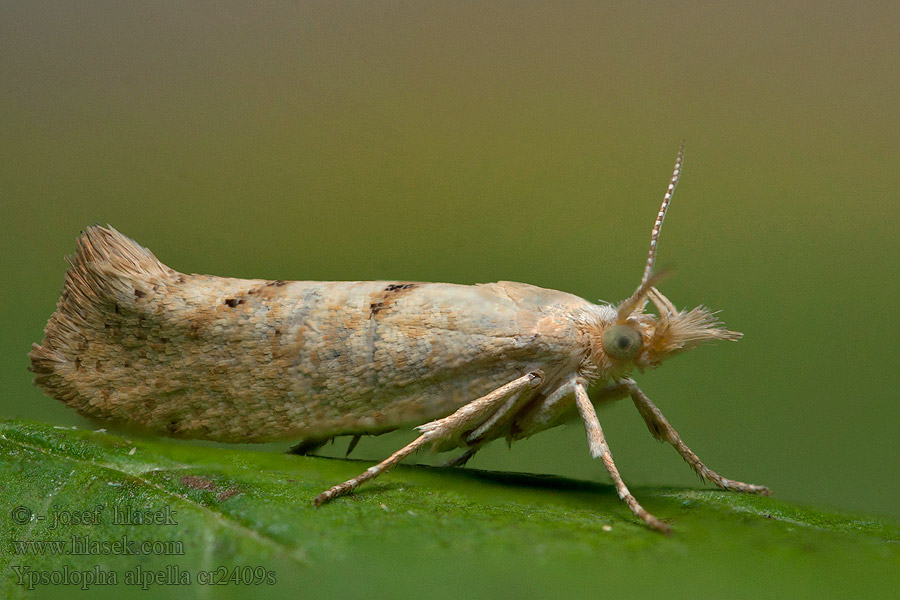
435 431
462 459
499 420
309 445
600 449
546 413
492 424
553 409
661 430
353 442
495 425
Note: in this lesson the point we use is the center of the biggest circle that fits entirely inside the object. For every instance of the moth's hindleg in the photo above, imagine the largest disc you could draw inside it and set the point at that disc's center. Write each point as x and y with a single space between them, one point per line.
462 459
447 427
661 430
309 445
600 449
352 445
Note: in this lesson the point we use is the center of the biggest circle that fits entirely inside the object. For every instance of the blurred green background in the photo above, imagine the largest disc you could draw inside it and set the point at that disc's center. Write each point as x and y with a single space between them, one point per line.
467 142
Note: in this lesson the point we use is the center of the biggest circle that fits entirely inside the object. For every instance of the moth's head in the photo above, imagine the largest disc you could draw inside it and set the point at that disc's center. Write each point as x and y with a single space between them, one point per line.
642 340
636 339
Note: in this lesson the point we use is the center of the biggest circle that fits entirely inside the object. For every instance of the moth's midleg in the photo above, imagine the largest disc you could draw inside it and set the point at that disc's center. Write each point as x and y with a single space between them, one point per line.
488 430
447 427
371 472
472 414
661 430
600 449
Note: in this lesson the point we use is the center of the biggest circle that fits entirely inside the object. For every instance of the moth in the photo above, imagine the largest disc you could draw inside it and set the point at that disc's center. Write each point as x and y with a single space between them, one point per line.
136 343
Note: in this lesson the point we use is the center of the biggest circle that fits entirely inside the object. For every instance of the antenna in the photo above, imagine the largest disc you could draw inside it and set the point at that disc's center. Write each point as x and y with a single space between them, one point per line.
646 289
661 216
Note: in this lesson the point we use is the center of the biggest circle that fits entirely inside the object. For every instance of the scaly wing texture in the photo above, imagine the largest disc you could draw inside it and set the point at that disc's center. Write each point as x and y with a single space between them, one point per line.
136 342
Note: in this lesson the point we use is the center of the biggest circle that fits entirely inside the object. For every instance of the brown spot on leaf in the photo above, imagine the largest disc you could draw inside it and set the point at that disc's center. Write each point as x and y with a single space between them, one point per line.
226 494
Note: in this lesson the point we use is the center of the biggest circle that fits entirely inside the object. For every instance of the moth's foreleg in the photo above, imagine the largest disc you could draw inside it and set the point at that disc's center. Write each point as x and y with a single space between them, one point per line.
463 419
661 430
600 449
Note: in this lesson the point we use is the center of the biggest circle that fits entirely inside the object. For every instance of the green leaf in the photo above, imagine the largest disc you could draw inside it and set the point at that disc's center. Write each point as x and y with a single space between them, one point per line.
246 517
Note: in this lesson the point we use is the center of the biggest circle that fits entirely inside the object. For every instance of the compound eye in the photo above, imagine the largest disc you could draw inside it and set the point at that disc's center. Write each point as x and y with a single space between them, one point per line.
622 342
